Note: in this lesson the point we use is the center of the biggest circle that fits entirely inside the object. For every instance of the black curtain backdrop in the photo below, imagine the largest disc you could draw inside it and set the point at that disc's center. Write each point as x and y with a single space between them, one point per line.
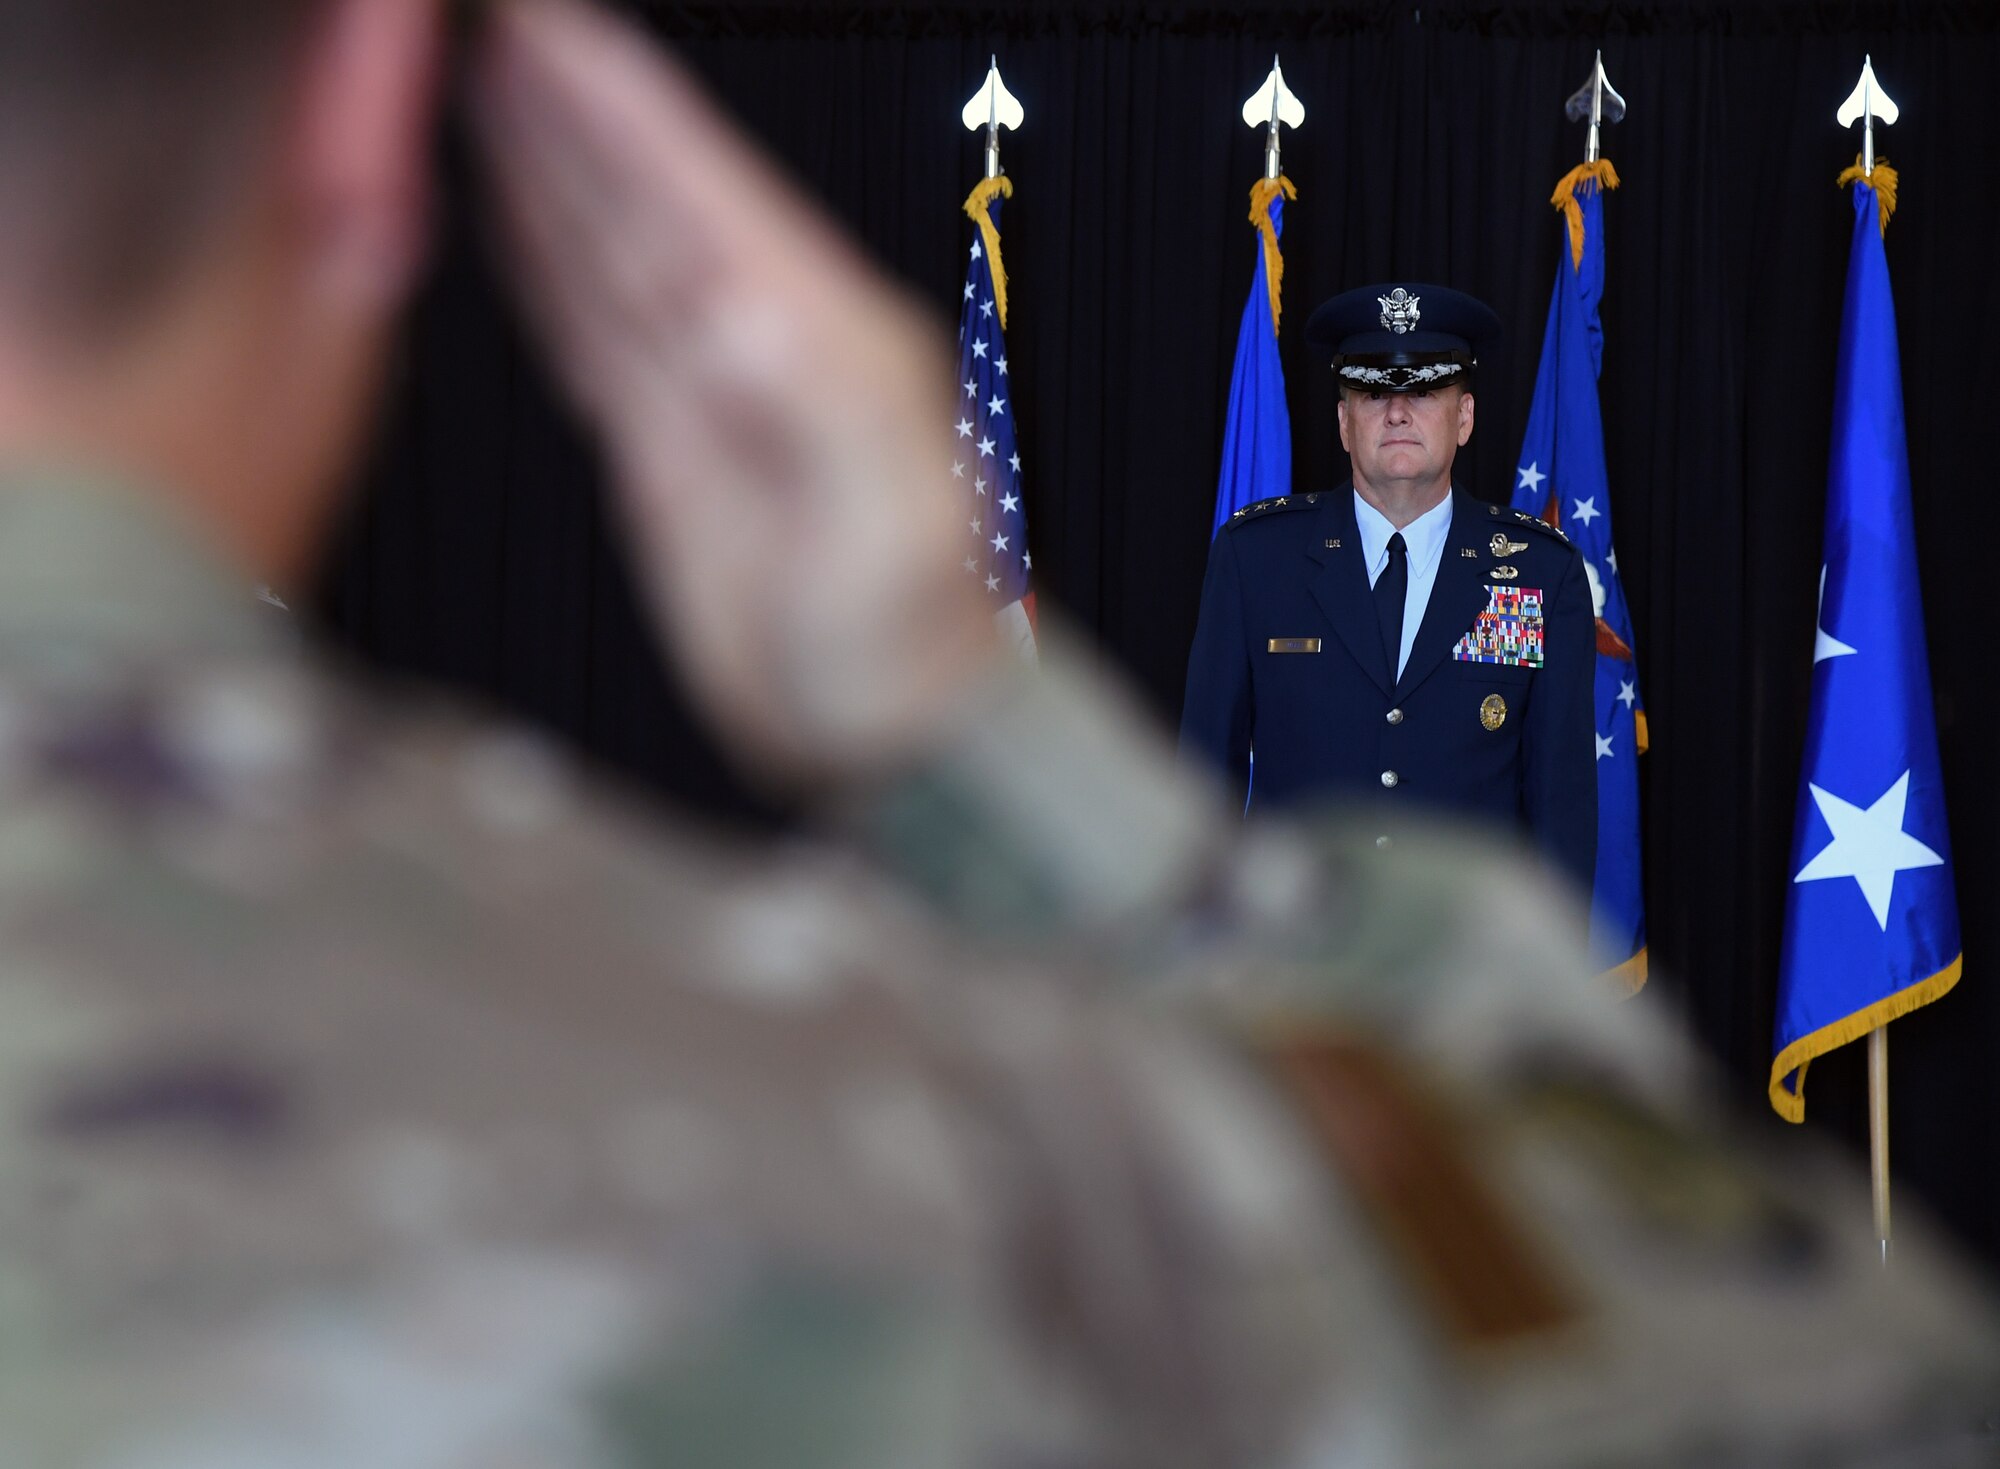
480 552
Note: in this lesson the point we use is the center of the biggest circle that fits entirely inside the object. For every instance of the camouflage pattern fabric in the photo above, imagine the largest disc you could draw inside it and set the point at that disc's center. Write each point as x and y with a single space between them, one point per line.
376 1091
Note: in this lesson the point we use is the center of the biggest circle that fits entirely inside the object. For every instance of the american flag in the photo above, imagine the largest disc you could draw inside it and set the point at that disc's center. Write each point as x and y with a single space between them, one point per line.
986 464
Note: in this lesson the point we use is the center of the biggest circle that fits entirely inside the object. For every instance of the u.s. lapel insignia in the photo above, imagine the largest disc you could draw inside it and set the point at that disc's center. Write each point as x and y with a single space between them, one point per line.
1503 548
1505 573
1492 711
1510 631
1468 553
1333 543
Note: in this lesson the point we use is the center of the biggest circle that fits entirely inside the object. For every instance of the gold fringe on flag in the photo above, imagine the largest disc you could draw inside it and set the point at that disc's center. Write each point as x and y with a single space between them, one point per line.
1261 194
1602 175
1790 1104
1645 736
977 205
1631 975
1882 181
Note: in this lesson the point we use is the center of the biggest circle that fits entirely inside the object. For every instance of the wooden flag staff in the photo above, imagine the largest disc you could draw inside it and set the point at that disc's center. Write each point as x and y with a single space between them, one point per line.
1864 104
1878 1132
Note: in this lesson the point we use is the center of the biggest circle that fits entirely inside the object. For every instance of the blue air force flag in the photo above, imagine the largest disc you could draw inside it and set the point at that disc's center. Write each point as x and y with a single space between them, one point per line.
1257 440
985 461
1871 925
1562 479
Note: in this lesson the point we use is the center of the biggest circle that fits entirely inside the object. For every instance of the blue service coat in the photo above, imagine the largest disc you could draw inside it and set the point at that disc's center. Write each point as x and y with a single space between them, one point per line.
1288 659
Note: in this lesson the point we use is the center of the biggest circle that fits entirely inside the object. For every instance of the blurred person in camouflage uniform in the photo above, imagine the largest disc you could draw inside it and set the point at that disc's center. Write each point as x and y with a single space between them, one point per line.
373 1091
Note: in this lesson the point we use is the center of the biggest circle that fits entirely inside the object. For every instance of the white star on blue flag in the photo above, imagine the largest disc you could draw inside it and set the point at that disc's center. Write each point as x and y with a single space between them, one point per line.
1871 919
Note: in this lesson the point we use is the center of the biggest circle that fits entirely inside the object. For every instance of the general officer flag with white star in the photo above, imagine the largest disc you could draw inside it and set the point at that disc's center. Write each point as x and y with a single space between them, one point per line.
1562 479
986 463
1871 925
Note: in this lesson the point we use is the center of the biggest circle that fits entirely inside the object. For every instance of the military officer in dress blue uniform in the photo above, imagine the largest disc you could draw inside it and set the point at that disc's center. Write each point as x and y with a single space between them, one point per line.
1395 637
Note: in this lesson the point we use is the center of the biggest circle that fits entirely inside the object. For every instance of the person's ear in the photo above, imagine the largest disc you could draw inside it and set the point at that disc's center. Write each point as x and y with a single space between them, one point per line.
361 145
1340 414
1464 418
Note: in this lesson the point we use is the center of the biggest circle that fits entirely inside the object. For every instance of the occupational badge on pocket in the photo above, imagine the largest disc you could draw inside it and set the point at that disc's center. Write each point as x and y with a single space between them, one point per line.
1492 711
1508 632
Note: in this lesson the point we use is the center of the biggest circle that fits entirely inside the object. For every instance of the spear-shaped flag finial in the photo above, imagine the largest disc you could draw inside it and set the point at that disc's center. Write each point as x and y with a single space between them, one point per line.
1864 104
1597 100
991 108
1267 107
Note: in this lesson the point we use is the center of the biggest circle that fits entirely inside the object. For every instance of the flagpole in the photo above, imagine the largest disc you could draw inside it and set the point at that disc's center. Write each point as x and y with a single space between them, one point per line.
1878 1131
993 122
1864 104
1273 144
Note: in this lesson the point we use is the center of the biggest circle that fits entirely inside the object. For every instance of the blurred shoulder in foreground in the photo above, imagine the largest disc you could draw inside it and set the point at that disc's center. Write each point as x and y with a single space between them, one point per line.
376 1090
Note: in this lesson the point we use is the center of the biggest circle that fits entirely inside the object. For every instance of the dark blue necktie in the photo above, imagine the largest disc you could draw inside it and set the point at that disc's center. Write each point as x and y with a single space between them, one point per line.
1392 589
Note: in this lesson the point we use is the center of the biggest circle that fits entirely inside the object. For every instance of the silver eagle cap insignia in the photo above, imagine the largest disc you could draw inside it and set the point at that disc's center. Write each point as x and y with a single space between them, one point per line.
1399 311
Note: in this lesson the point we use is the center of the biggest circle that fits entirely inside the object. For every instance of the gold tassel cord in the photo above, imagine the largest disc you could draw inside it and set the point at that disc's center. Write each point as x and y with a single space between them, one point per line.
1598 175
978 206
1261 194
1882 181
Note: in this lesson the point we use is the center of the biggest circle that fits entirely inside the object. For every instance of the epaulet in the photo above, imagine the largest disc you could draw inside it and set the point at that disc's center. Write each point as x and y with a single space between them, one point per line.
1521 517
1272 507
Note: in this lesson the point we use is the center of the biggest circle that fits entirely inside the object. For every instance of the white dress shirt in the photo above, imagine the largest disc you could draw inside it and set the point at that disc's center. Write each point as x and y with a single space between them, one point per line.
1423 543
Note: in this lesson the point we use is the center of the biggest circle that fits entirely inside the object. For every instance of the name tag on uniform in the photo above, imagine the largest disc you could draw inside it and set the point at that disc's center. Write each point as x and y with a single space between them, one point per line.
1508 632
1292 645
